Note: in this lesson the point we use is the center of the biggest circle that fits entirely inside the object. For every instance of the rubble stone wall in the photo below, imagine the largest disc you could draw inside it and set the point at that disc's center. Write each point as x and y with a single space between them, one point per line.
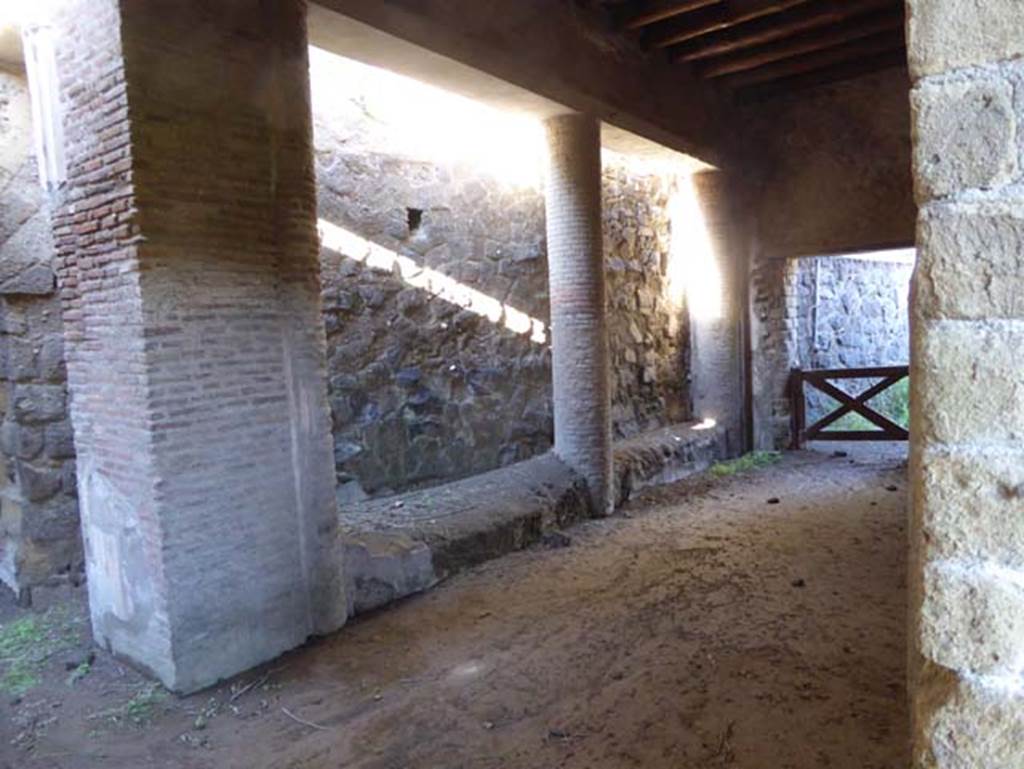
425 385
430 384
39 537
850 313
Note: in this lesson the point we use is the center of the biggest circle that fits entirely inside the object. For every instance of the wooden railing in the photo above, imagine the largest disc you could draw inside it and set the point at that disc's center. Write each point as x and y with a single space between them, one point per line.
848 404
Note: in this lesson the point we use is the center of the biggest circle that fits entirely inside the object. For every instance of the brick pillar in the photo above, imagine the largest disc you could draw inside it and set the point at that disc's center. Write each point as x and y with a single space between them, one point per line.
187 261
967 316
579 334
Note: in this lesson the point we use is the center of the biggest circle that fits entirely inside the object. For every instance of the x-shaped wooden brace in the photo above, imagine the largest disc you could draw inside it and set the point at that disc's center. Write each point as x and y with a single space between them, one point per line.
859 404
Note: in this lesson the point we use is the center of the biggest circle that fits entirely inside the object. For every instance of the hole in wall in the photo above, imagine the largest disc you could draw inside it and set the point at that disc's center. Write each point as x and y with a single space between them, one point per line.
413 218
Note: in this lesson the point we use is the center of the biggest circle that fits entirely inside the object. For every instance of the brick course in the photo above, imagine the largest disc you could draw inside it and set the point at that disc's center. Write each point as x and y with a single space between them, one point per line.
187 258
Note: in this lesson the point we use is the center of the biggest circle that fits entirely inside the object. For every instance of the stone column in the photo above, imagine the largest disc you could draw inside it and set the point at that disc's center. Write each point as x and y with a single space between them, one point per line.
579 334
187 261
967 379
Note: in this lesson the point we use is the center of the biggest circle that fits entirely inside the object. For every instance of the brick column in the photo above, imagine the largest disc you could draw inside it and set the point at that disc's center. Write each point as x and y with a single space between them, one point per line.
187 261
967 462
579 334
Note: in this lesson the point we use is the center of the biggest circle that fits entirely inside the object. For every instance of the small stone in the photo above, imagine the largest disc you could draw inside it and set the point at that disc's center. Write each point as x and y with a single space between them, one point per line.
408 377
773 501
799 583
37 280
35 403
555 540
51 359
22 441
35 484
59 441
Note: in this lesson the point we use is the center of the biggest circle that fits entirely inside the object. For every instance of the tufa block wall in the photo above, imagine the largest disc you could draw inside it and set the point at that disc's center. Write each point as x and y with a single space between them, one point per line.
967 573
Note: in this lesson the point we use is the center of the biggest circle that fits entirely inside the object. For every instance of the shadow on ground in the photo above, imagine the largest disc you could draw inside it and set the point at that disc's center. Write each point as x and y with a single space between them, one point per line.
748 621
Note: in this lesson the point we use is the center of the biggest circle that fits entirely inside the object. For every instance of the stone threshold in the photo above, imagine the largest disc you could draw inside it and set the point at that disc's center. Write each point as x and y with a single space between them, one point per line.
400 545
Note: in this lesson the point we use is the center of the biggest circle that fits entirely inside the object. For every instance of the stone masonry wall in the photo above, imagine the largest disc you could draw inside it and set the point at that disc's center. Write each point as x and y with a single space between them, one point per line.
422 389
837 167
835 179
966 573
425 390
39 537
849 313
773 347
852 312
857 317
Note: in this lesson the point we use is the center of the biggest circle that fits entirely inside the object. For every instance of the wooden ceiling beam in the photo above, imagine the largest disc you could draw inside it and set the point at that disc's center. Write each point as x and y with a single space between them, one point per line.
847 70
804 43
653 11
791 21
713 19
876 45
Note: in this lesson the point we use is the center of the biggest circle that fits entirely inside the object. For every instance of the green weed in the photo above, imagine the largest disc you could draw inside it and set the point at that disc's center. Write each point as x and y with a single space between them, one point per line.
28 642
751 461
137 711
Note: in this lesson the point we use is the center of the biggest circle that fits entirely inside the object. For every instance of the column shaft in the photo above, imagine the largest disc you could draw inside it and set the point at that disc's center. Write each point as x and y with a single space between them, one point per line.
578 307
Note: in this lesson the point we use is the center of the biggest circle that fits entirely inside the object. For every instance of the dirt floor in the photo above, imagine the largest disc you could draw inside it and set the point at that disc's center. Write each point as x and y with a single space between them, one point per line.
753 620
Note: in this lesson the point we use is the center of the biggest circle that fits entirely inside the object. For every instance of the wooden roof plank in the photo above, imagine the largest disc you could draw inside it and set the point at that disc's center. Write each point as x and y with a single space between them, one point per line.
875 45
835 73
791 21
808 42
653 11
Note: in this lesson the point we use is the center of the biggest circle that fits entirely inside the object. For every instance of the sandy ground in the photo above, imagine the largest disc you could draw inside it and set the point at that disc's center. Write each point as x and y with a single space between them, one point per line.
707 627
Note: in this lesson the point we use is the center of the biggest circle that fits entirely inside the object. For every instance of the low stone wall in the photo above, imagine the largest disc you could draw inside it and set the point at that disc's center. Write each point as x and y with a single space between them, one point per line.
39 537
407 543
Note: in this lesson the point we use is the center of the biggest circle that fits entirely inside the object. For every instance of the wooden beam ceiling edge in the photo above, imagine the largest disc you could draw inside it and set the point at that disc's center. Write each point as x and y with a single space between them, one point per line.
787 48
877 44
717 19
654 12
764 30
847 70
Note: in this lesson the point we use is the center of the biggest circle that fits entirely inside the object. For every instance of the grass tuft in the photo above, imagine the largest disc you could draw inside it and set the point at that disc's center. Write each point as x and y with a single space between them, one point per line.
27 642
138 711
751 461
